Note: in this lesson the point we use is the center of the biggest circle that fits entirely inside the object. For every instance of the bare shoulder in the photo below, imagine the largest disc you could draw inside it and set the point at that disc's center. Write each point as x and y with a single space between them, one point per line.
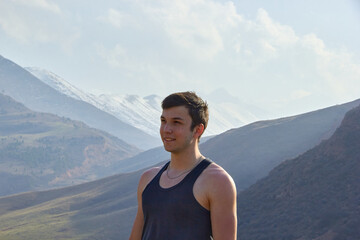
147 176
218 180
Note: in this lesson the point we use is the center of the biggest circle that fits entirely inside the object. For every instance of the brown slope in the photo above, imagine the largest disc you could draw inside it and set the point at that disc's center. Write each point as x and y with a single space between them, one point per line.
40 150
102 215
250 152
315 196
102 209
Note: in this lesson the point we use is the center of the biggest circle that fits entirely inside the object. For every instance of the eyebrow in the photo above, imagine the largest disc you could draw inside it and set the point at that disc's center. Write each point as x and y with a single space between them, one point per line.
174 118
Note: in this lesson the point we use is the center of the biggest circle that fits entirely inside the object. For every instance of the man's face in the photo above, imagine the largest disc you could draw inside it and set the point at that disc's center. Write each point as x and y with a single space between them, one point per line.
175 129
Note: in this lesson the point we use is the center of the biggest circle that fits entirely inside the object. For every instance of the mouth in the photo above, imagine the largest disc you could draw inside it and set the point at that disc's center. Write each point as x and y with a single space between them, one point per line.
168 139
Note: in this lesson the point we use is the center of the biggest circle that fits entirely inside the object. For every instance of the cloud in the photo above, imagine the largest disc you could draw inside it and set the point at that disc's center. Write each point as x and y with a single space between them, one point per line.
181 44
299 94
114 17
211 43
34 23
193 26
337 69
41 4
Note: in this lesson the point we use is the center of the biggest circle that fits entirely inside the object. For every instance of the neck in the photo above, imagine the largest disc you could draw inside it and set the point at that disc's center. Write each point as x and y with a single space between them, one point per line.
185 160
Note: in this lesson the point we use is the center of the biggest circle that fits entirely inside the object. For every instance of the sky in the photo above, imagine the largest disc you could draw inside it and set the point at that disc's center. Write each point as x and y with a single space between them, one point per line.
287 57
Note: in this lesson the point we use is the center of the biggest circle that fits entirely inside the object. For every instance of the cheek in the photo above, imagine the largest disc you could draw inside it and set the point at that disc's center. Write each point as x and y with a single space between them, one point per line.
161 129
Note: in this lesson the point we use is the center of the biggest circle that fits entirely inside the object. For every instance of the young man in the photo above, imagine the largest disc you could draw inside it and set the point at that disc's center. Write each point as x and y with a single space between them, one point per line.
190 197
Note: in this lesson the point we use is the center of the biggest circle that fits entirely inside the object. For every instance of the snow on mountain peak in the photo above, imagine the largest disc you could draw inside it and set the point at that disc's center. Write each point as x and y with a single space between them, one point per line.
144 112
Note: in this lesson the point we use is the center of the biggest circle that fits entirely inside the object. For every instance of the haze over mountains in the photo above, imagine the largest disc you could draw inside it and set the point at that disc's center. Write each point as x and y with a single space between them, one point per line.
25 88
142 113
42 151
226 111
250 152
314 196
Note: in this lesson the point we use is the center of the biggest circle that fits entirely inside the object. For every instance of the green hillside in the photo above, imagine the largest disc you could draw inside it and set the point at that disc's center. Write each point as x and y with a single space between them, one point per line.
102 209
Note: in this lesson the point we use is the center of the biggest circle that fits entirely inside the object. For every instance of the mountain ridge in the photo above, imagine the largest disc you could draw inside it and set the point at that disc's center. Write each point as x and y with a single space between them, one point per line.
143 112
314 196
41 150
105 209
250 152
24 87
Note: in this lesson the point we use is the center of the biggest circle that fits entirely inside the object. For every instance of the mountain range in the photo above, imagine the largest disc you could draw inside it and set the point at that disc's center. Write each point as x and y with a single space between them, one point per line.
251 152
312 196
248 153
142 113
42 150
25 88
227 112
297 177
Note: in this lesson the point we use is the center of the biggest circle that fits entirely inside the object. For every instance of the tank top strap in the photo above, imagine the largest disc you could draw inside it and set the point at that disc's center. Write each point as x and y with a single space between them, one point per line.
158 175
195 173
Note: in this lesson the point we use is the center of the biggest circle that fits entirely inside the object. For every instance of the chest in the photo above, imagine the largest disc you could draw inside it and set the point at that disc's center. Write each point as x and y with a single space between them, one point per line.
196 189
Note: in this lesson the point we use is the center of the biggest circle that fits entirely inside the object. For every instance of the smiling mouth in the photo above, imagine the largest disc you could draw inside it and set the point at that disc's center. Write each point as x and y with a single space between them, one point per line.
169 139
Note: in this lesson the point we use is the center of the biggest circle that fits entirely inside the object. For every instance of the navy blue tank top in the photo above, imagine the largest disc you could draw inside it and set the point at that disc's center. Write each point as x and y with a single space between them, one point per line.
174 213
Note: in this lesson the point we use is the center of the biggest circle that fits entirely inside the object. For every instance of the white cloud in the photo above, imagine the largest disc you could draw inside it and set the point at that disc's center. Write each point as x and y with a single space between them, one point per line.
299 94
210 42
114 17
42 4
199 45
34 22
277 33
336 68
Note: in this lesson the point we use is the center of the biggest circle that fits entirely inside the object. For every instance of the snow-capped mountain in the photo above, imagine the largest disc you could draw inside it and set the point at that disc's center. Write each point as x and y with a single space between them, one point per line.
139 112
62 86
142 113
226 112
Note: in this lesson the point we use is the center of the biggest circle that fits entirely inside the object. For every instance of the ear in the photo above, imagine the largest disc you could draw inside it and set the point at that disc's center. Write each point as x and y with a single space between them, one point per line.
199 130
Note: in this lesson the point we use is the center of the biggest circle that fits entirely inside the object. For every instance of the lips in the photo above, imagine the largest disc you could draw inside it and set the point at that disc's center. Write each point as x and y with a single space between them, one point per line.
167 139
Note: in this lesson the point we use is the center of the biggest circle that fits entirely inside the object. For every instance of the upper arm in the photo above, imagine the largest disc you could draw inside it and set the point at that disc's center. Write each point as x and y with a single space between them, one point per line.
136 232
223 206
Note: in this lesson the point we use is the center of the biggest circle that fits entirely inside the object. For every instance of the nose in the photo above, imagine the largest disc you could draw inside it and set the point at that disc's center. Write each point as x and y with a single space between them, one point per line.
166 128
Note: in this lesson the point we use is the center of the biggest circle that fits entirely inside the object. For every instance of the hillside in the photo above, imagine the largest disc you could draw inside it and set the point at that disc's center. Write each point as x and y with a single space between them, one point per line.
25 88
250 152
314 196
102 209
105 209
40 150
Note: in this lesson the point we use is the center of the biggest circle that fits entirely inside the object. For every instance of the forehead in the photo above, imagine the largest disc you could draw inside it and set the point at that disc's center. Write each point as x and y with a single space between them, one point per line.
176 112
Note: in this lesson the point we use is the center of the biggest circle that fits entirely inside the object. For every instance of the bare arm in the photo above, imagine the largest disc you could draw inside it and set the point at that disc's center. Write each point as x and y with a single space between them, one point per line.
223 206
136 232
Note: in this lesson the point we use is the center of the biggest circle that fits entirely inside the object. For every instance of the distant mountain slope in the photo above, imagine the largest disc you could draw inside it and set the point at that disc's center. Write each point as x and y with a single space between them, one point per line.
315 196
226 111
250 152
105 209
24 87
40 150
142 113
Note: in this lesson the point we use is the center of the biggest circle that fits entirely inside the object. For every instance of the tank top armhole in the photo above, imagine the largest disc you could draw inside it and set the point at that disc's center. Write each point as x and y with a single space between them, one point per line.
157 176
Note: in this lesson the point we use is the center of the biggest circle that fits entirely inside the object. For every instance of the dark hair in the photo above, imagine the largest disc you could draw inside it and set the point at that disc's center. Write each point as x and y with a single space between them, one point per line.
198 108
